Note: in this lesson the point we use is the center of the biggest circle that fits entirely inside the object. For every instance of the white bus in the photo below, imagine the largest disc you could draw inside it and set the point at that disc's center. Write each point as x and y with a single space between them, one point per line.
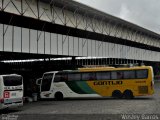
98 82
11 91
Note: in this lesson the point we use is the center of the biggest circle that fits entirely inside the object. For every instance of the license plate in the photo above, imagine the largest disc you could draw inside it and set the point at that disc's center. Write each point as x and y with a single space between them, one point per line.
7 101
12 100
13 94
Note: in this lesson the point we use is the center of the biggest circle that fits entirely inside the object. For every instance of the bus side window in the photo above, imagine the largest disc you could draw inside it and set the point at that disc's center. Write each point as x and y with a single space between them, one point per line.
74 77
64 77
88 76
92 76
141 74
129 74
60 77
117 75
57 77
103 75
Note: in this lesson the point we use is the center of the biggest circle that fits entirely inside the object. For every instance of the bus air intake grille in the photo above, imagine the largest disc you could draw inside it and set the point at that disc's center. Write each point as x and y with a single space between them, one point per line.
143 89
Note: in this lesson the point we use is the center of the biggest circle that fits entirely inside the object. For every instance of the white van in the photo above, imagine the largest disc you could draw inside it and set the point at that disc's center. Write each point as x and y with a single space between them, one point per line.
11 91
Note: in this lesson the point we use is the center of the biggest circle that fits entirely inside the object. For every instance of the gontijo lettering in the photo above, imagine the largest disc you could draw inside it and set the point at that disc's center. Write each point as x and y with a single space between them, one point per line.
108 83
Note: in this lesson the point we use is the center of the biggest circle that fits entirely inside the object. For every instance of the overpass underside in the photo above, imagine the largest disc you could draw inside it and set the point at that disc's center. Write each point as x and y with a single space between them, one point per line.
24 38
62 28
35 38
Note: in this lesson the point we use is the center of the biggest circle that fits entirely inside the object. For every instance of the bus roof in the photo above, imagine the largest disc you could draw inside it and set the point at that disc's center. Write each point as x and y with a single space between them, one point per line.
50 72
97 68
112 68
10 75
100 69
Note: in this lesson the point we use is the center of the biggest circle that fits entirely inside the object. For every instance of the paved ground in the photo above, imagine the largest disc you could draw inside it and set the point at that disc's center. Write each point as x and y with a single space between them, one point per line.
140 105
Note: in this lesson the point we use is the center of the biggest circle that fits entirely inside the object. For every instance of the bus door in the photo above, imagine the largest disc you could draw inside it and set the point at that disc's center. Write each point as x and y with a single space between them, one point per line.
46 85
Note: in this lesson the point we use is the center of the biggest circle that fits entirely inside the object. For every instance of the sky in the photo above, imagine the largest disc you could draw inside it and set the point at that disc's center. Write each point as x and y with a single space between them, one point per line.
145 13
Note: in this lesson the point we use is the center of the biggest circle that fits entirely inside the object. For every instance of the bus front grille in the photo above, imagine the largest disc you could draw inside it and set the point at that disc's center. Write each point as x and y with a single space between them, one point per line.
143 89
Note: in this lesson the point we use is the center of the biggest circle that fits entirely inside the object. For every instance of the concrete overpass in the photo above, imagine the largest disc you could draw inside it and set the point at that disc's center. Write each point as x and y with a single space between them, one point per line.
54 28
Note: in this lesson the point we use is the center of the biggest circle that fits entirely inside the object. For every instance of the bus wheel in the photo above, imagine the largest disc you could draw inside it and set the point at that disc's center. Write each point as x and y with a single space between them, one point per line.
116 94
58 96
128 94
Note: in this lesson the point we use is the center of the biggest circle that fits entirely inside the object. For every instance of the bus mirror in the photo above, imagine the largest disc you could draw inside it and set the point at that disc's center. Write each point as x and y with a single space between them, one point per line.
38 81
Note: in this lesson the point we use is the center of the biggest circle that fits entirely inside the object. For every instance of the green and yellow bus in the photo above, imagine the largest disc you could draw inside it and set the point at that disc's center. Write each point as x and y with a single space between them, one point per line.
125 82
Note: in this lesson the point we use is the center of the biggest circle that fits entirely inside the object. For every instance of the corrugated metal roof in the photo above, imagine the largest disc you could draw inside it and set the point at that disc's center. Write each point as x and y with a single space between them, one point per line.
72 5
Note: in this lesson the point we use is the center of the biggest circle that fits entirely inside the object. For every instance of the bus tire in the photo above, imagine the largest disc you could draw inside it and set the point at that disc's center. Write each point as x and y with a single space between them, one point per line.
128 94
116 94
58 96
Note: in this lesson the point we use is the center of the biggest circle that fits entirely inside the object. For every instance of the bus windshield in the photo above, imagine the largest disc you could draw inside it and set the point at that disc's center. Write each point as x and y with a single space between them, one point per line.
12 80
46 82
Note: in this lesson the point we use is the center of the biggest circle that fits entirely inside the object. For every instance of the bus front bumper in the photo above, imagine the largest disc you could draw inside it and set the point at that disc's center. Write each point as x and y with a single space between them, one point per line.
11 105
